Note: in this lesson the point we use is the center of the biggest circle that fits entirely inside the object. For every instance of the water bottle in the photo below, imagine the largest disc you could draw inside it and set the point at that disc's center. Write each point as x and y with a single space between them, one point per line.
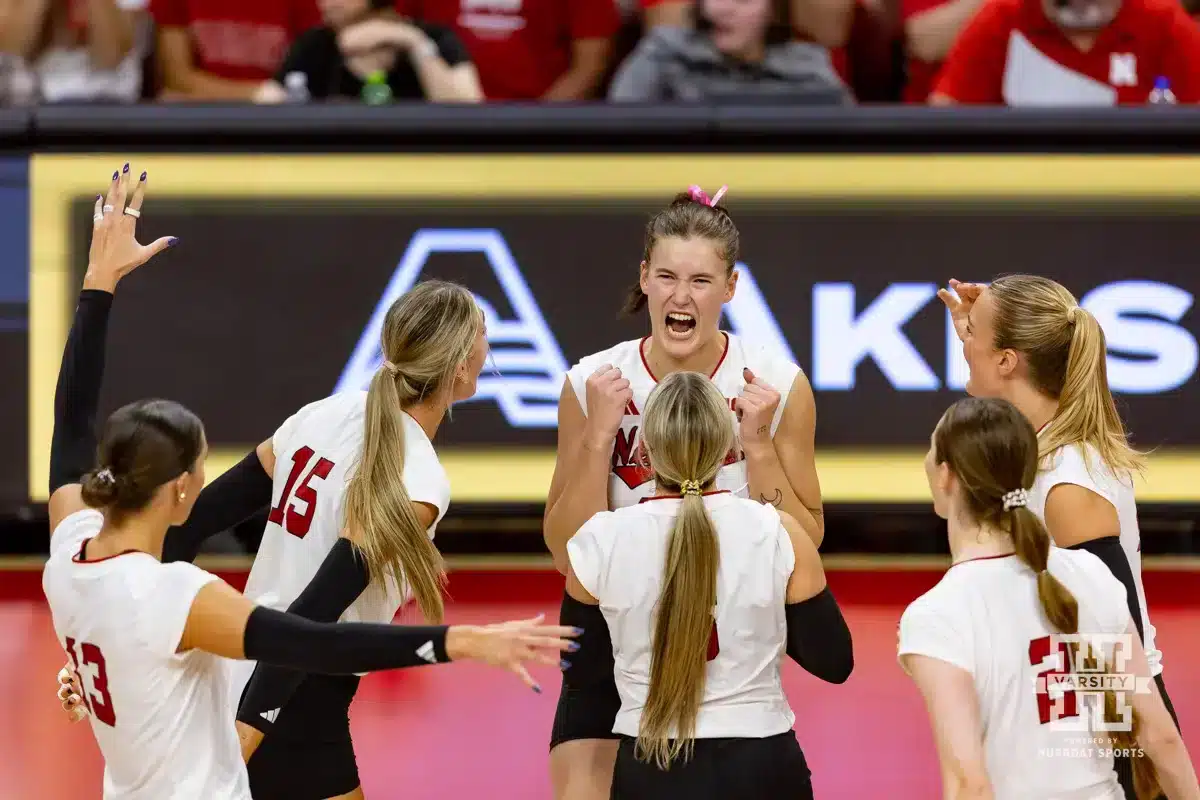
296 85
1161 94
376 91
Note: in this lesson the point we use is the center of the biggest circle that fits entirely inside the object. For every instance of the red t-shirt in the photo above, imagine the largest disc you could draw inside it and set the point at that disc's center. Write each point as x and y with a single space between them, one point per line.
520 47
240 40
1010 53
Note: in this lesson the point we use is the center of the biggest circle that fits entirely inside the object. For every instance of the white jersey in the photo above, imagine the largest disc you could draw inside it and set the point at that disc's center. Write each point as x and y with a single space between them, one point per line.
618 556
316 452
161 718
1081 465
631 480
984 616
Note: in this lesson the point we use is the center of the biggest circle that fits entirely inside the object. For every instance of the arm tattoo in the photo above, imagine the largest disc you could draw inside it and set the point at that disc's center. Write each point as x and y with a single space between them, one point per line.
764 429
775 500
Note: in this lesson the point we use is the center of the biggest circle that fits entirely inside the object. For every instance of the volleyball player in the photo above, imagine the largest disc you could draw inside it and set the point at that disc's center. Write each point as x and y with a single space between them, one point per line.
703 713
358 492
687 274
1027 340
144 635
978 643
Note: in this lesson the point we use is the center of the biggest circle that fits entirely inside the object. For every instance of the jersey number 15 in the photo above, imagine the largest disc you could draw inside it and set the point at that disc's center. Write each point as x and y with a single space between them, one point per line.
295 521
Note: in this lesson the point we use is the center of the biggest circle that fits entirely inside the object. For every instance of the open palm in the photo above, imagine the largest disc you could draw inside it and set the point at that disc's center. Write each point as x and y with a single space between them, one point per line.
959 299
115 251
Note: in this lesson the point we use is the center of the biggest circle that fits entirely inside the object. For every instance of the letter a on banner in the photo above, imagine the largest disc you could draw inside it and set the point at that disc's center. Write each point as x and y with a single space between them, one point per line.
529 367
750 318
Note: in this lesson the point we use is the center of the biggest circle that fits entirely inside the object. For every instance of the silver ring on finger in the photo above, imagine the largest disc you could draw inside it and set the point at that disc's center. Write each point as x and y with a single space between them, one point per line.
133 212
98 218
108 209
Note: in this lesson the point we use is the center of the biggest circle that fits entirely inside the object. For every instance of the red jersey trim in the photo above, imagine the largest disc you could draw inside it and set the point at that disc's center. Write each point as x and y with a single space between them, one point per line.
653 377
79 558
678 496
982 558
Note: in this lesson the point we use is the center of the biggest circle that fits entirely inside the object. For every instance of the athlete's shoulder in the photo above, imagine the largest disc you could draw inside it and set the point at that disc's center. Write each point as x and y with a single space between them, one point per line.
618 354
764 360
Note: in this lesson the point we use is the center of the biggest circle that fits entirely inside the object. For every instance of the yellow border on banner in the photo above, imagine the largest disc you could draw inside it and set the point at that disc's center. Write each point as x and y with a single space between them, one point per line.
522 476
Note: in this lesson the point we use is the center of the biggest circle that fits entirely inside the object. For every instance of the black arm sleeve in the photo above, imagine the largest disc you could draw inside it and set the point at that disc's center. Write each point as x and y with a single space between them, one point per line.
77 395
1108 549
818 638
334 648
341 579
235 496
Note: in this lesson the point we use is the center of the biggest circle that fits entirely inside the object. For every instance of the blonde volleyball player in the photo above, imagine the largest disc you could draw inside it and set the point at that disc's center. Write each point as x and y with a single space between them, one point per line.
978 644
702 712
687 274
146 636
1026 339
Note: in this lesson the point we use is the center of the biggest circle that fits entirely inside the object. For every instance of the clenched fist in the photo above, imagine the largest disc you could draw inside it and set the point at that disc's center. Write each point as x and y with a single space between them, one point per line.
608 394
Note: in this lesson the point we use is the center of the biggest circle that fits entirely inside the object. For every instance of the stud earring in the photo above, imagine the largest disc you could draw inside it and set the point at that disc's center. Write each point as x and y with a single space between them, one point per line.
181 496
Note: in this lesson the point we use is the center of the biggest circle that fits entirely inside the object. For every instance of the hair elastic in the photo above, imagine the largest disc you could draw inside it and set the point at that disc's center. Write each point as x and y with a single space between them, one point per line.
390 367
1017 498
690 487
1072 314
699 195
106 477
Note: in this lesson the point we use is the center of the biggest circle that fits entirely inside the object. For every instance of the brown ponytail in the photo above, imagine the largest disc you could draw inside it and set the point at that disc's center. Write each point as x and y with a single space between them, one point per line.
686 218
686 432
993 450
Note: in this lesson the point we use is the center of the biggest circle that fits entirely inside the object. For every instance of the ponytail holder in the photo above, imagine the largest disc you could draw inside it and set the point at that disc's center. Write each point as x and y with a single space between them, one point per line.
106 477
690 487
697 194
1017 498
1072 314
390 367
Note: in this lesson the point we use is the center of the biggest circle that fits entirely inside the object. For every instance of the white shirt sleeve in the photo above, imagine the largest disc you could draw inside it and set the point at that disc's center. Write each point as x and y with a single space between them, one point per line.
926 630
133 5
168 607
1103 600
1075 464
424 478
70 534
589 550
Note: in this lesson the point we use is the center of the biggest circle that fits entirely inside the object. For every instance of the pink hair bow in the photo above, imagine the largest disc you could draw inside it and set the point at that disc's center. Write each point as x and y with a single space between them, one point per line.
699 196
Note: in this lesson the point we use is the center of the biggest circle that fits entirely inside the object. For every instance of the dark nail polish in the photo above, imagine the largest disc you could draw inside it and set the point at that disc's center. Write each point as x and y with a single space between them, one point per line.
578 631
565 664
143 176
116 175
125 168
172 242
572 647
99 196
537 689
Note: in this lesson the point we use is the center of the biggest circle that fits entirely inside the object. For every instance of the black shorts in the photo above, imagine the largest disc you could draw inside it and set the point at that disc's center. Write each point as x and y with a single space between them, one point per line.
309 755
588 702
719 769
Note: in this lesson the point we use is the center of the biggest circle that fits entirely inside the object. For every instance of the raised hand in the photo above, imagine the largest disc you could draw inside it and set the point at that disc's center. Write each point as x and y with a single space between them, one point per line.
115 251
608 394
959 299
755 409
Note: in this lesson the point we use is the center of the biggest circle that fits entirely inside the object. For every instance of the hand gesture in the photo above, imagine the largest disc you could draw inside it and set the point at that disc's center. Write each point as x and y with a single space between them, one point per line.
115 251
756 410
608 394
70 694
511 645
375 34
960 305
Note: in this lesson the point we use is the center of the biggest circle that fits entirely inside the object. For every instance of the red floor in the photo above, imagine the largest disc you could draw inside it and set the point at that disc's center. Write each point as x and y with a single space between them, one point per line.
464 731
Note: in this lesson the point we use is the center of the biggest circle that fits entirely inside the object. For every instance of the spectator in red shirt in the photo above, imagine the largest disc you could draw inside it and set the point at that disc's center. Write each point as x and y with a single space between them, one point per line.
530 49
1072 52
225 49
930 28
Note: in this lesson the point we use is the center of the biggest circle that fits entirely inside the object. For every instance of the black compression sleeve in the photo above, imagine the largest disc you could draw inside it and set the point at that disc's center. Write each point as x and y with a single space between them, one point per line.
77 395
236 495
340 648
818 638
341 579
1108 549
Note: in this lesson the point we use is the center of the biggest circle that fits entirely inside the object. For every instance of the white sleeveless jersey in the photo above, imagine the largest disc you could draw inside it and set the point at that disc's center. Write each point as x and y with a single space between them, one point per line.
618 556
161 718
1081 465
984 617
316 452
630 480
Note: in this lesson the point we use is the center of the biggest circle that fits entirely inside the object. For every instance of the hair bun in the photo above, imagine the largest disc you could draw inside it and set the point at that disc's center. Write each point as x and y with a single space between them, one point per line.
100 488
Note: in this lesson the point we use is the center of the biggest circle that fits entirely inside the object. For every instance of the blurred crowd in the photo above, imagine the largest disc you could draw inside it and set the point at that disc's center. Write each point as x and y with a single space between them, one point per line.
799 52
